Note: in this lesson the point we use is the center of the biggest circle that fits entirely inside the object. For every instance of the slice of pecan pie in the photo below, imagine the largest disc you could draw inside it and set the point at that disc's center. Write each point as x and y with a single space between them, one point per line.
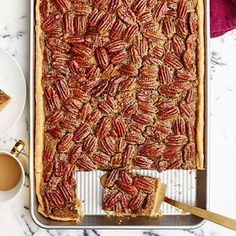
131 194
119 84
4 99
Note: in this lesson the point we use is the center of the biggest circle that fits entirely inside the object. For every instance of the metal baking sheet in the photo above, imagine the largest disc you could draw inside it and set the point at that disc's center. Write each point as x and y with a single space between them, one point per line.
187 186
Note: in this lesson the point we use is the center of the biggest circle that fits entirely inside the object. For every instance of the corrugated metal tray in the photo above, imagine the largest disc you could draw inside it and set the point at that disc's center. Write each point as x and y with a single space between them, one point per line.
187 186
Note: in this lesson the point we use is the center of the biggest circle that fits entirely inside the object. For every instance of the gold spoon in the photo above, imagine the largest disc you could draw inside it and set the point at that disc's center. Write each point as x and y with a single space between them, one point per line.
208 215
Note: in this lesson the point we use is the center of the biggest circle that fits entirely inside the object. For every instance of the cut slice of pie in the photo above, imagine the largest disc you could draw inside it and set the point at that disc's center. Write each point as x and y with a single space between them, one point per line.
132 194
4 99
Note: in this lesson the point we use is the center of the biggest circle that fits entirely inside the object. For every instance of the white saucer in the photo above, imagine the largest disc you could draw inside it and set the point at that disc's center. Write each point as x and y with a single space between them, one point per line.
12 82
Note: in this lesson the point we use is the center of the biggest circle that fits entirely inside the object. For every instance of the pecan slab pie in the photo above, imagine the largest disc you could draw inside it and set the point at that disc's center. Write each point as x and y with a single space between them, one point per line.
119 84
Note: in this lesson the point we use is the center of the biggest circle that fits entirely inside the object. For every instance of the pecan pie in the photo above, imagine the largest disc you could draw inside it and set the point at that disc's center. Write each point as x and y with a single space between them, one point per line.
119 84
132 194
4 99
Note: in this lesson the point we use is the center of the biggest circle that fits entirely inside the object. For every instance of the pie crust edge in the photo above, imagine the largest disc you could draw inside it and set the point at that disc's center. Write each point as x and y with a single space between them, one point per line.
200 105
39 124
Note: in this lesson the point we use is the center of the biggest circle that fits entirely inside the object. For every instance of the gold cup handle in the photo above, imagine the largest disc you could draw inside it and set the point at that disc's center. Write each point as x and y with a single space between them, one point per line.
16 150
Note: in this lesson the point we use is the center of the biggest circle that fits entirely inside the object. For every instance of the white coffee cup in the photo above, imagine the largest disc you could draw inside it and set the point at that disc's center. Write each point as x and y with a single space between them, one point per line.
12 193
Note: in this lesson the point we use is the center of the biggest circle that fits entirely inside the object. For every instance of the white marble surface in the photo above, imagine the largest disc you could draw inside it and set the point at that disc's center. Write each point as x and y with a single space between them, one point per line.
15 217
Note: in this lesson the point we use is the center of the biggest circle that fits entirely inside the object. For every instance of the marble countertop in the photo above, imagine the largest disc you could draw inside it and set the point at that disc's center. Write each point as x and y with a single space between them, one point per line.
15 218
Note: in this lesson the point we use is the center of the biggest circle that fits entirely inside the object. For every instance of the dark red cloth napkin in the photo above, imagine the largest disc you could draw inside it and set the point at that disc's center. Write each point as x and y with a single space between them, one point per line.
223 16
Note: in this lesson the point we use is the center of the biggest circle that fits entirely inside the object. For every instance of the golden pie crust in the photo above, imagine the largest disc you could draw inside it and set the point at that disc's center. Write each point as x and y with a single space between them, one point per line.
40 117
201 76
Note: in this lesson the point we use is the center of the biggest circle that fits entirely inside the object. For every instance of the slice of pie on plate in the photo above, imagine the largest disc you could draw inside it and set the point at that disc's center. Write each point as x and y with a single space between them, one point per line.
4 99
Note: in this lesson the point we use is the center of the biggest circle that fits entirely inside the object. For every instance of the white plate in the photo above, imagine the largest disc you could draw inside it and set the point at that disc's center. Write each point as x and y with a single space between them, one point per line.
12 81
